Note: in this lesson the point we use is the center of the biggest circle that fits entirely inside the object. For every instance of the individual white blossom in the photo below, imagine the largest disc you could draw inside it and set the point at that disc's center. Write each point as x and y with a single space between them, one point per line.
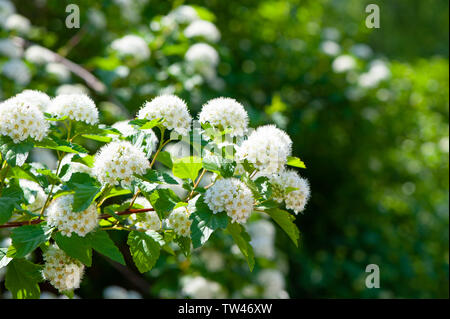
262 233
201 55
39 55
63 272
179 221
273 283
17 71
74 167
36 195
77 107
20 120
10 49
184 14
289 187
225 114
232 196
116 292
146 221
343 63
17 22
34 97
116 162
131 45
267 148
60 214
172 109
198 287
202 28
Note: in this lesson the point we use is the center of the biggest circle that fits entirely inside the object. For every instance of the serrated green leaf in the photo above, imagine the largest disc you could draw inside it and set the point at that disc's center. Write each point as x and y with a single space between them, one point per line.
165 158
14 154
286 222
10 198
87 160
144 250
86 189
4 259
242 240
75 246
220 165
163 201
102 243
22 278
27 238
153 176
187 167
55 143
185 244
295 162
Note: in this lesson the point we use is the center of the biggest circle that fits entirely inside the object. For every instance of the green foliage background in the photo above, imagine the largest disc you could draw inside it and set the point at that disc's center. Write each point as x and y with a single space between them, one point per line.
377 158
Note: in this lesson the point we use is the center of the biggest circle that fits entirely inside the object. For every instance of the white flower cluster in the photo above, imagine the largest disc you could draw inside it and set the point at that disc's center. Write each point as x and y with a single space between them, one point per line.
59 214
36 195
18 23
39 55
184 14
225 114
273 283
17 71
198 287
232 196
147 221
202 54
262 233
20 120
179 221
116 162
77 107
172 109
267 148
133 46
294 199
33 97
202 28
74 167
63 272
10 49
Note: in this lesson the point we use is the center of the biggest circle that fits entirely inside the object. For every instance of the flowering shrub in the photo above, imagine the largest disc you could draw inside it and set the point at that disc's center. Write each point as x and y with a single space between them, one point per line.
128 184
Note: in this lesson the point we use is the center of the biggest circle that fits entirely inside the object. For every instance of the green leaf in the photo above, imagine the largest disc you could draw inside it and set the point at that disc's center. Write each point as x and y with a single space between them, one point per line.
165 158
4 260
242 240
10 198
163 201
204 223
187 167
220 165
295 161
55 143
75 246
154 176
184 243
144 250
14 154
87 160
145 124
286 222
117 192
99 138
102 243
51 177
86 190
27 238
22 278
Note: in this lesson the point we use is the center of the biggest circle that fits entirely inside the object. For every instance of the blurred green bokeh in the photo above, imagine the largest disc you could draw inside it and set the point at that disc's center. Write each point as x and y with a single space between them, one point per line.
374 133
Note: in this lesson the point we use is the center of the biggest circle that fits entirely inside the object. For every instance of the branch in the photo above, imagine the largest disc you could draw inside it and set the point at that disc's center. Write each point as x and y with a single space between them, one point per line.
102 216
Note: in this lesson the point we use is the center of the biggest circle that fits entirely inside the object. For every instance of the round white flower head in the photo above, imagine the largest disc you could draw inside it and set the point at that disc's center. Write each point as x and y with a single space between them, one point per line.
77 107
34 193
198 287
133 46
179 221
60 215
33 97
184 14
20 120
289 187
202 54
63 272
202 28
17 22
225 113
172 109
39 55
343 63
10 49
17 71
267 148
74 167
232 196
116 162
147 221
